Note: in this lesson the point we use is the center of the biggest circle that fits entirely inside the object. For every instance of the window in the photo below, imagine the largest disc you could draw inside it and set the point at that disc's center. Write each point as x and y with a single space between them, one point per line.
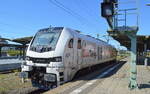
46 39
99 53
79 44
70 45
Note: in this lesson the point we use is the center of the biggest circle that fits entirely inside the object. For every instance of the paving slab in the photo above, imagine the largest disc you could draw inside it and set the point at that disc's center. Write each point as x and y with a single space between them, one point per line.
120 82
117 83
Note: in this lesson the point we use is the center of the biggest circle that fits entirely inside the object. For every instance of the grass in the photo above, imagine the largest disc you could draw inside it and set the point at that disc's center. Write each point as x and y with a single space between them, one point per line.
11 81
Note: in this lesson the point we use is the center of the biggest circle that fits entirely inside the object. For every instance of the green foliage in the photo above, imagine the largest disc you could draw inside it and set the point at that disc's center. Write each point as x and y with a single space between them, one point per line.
14 52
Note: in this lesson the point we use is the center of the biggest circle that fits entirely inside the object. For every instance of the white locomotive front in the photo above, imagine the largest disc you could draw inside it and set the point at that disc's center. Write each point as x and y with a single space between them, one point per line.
56 54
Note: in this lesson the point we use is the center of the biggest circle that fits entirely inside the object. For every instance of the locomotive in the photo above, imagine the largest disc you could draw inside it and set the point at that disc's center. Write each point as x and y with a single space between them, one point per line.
56 54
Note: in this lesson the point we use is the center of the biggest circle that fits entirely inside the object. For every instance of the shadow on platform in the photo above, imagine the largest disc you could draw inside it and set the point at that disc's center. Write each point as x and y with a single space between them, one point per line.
143 86
89 74
115 70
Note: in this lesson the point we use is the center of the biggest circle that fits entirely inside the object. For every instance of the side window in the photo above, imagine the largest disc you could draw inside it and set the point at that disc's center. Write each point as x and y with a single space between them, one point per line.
99 53
70 44
79 44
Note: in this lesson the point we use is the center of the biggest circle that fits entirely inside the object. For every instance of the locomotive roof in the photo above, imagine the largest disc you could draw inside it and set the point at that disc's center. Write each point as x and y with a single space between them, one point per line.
88 37
53 28
26 40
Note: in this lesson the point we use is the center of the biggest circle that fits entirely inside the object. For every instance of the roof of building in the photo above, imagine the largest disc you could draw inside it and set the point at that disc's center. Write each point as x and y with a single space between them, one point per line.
24 40
125 41
21 41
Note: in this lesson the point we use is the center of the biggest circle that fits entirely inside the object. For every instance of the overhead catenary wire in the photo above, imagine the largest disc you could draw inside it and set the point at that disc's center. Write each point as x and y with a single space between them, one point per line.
82 5
70 10
74 14
65 9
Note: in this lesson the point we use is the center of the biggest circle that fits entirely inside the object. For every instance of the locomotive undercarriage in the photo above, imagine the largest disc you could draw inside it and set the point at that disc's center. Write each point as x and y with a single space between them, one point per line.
41 79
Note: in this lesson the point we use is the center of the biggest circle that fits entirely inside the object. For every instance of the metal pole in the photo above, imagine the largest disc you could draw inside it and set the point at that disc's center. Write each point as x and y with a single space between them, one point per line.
114 21
98 36
20 51
24 48
117 20
145 49
133 71
125 18
0 51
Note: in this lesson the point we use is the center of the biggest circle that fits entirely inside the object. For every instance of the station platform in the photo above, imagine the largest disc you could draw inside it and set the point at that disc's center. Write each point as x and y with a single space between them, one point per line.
115 82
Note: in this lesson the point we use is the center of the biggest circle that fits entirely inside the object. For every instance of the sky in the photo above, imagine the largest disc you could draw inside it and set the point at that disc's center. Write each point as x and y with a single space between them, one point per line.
21 18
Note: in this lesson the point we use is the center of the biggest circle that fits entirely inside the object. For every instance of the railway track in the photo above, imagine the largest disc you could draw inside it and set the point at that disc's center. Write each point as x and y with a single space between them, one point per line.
86 74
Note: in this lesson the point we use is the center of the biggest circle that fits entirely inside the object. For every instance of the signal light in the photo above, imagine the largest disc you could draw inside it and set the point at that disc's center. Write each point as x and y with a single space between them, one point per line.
107 9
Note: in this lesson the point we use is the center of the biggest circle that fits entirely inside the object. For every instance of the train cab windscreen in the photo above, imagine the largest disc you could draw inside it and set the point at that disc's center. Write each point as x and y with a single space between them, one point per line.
45 40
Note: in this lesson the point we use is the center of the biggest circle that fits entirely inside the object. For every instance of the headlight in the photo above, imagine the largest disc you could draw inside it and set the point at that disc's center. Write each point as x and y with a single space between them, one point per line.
50 77
27 58
57 59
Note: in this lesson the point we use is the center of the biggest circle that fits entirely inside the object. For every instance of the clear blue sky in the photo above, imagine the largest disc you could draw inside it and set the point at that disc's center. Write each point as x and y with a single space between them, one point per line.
20 18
